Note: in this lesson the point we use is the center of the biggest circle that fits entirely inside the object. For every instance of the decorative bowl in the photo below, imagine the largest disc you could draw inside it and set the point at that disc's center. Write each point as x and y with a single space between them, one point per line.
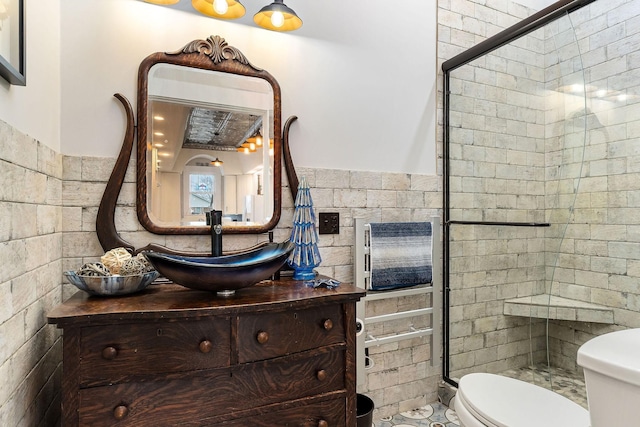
223 274
111 285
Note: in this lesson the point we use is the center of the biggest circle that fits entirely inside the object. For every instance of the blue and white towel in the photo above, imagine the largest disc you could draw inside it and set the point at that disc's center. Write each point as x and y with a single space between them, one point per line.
401 254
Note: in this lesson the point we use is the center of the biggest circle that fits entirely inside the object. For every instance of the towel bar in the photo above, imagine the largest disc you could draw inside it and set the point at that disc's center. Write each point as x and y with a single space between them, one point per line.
362 276
373 341
400 315
405 292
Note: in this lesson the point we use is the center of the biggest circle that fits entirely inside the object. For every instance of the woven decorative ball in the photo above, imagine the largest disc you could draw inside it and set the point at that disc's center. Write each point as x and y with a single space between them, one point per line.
133 267
144 261
93 269
114 259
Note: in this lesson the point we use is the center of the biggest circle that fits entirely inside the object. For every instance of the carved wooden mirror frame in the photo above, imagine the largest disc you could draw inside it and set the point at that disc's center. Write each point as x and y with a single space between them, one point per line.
211 54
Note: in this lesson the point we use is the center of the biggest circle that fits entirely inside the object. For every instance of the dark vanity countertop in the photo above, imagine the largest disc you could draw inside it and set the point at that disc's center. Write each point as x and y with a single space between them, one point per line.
171 301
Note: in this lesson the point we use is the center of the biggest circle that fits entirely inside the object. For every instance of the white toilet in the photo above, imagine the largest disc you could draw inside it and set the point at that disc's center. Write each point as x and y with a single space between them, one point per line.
489 400
611 364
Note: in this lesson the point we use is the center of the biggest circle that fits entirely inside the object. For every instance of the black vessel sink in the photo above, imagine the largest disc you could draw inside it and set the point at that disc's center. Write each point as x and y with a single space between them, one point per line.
223 274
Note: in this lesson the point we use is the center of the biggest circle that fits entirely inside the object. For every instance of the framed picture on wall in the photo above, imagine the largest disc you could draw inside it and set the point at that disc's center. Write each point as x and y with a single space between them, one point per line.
12 47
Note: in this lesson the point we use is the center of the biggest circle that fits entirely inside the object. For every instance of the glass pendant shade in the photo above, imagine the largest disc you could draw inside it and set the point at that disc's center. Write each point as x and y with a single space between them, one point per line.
277 17
162 1
222 9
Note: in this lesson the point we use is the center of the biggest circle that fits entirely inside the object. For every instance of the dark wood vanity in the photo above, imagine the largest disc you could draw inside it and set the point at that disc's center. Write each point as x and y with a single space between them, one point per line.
275 354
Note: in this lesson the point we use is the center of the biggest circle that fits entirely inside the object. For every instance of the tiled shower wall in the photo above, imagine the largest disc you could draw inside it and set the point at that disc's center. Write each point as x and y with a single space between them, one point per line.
599 260
401 378
30 277
518 130
497 174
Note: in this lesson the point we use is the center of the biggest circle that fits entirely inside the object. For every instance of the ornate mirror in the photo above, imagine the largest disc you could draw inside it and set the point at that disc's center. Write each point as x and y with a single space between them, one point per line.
209 137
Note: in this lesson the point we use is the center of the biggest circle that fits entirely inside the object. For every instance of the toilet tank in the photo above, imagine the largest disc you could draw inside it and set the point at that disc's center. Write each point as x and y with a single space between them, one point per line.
611 364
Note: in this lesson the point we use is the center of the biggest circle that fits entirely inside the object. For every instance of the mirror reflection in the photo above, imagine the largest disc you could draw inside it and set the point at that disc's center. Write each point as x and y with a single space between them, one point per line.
207 147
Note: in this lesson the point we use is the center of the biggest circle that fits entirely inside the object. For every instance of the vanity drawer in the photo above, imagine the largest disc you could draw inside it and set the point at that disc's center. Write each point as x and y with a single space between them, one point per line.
263 336
330 413
207 394
113 355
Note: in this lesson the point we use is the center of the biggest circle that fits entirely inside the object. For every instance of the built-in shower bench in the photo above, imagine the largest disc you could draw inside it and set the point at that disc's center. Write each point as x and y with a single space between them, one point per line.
558 308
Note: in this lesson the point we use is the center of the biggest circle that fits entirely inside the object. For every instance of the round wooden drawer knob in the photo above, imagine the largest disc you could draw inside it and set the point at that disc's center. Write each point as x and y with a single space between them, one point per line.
323 423
205 346
321 375
120 412
262 337
328 325
109 353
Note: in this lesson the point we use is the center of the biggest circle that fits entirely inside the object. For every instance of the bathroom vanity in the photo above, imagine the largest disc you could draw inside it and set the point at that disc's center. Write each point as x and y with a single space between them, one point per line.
277 353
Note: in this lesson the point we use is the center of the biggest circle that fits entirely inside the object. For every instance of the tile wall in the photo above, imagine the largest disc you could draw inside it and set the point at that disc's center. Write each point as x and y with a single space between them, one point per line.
497 174
43 236
401 378
30 275
517 150
600 257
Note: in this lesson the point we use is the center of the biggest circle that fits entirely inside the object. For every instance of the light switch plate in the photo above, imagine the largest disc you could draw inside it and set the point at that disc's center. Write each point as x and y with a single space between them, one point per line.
329 223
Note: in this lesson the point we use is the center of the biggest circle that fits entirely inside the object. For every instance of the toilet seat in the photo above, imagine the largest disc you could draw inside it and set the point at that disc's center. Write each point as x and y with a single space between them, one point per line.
498 401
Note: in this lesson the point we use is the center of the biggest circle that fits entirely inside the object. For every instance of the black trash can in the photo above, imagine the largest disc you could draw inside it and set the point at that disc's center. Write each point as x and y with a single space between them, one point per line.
364 411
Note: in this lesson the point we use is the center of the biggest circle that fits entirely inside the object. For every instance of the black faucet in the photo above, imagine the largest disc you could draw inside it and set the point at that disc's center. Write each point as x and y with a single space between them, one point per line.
214 218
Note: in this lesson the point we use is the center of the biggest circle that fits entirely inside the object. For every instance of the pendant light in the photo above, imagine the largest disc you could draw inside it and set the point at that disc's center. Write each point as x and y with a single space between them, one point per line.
162 1
277 17
217 162
223 9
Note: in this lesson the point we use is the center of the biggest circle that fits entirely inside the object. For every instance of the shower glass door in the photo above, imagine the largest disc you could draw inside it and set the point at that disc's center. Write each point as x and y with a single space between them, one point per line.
516 135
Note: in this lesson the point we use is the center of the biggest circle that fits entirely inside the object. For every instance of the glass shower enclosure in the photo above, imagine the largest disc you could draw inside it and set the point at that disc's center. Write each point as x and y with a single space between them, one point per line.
528 122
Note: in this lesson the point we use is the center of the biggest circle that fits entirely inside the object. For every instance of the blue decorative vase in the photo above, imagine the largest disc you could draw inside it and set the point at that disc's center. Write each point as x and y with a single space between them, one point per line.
305 256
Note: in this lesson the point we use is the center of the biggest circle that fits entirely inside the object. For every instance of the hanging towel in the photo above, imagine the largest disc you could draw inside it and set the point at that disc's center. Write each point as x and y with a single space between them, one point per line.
400 254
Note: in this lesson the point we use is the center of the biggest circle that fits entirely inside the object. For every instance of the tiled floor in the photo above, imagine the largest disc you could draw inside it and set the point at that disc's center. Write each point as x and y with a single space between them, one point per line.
433 415
568 384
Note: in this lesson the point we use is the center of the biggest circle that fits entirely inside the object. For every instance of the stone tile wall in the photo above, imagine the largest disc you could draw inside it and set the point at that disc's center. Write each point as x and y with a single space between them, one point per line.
598 257
402 378
497 174
30 277
51 228
517 147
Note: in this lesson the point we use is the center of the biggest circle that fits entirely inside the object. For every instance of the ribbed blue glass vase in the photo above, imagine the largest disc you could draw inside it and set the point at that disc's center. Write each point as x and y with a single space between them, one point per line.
305 256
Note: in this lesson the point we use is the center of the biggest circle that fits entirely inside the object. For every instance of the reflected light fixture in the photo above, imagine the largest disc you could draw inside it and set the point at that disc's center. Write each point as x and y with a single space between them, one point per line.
277 17
217 162
255 139
223 9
